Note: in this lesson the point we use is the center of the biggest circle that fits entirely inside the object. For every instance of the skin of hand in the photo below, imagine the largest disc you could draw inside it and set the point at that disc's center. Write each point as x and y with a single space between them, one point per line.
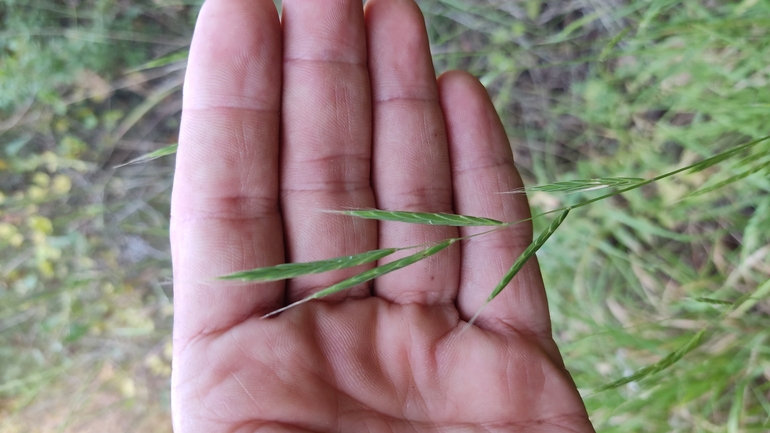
335 106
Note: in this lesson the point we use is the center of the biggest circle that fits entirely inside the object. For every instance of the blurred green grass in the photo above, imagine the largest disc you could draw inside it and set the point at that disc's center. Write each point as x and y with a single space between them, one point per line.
586 89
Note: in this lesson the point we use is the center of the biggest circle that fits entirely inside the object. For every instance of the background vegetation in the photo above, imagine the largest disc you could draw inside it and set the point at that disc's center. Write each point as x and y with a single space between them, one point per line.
586 88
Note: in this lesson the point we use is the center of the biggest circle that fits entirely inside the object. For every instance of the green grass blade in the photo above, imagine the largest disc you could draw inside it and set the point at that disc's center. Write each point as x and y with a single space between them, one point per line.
528 253
436 219
736 414
716 159
291 270
164 151
371 274
382 270
612 43
671 359
522 260
582 185
692 168
750 299
713 301
732 179
759 153
150 102
163 61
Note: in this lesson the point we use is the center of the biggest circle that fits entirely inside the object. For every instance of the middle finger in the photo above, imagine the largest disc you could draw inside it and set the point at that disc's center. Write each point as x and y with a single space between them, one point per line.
411 170
326 138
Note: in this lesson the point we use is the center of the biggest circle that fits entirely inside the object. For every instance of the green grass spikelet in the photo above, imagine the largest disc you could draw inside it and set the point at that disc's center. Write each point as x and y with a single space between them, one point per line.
291 270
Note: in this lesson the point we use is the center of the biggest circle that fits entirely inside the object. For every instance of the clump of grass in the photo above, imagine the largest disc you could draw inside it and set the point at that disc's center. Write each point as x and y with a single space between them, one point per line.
82 249
659 366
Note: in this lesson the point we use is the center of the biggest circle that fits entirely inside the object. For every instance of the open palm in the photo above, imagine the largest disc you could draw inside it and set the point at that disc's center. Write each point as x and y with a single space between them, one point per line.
337 107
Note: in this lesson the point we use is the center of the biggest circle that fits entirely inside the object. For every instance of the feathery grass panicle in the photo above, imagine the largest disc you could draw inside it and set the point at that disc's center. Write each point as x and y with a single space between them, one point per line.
581 185
371 274
285 271
163 151
436 219
522 260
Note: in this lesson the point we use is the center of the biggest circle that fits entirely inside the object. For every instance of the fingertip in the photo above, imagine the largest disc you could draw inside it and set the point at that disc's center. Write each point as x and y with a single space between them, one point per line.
235 56
400 62
370 4
460 87
324 30
455 76
477 138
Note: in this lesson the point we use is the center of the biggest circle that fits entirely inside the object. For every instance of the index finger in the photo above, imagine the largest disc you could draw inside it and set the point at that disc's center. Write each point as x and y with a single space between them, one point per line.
224 210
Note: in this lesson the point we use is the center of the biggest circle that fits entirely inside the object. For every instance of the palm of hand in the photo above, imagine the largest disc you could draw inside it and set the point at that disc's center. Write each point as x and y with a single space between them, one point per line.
263 148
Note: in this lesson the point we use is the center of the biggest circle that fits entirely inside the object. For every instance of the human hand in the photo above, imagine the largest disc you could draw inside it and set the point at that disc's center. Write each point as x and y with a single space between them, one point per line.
282 121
